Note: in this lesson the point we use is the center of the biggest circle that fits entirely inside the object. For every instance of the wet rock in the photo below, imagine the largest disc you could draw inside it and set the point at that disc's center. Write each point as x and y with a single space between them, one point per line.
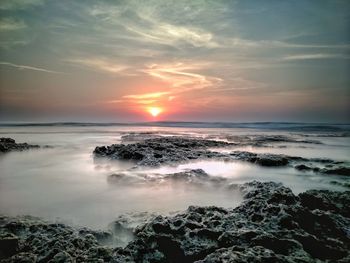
164 150
341 170
334 202
261 159
303 167
41 241
8 245
239 254
270 225
8 144
173 150
193 176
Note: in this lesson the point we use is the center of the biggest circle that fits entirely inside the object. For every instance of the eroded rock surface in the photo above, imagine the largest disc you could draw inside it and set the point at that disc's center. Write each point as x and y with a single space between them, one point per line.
172 150
271 225
8 144
165 150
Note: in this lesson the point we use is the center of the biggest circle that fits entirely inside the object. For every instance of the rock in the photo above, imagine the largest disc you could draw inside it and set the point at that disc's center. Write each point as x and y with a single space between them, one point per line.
270 225
303 167
261 159
62 257
8 144
8 245
341 170
163 150
237 254
174 149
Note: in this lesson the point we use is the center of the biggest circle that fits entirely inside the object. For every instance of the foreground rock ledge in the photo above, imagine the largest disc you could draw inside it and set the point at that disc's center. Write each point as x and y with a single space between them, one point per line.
271 225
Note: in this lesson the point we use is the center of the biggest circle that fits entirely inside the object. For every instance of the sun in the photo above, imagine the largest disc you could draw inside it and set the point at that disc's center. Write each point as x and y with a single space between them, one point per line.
154 111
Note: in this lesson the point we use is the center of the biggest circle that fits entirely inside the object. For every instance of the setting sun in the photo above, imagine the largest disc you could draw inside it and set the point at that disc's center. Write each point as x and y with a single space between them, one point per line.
154 111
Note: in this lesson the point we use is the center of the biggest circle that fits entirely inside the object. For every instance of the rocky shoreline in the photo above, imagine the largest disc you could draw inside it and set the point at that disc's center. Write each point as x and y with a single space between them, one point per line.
174 149
271 225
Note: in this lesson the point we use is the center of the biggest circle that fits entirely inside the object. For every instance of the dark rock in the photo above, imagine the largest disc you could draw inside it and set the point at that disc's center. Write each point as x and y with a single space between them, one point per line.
163 150
171 150
261 159
336 170
8 245
8 144
302 167
270 225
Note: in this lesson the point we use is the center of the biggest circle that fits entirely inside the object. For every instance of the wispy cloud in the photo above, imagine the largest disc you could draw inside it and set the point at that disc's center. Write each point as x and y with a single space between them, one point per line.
151 95
316 56
181 76
10 24
146 98
21 67
19 4
149 23
247 43
99 64
169 34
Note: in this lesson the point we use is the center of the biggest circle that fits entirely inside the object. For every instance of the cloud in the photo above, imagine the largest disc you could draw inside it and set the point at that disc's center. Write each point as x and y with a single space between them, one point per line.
181 77
146 98
147 95
10 24
247 43
21 67
164 33
19 4
154 23
99 64
316 56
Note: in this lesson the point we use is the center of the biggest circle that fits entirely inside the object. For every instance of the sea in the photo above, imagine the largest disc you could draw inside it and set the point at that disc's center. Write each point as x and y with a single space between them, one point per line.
63 181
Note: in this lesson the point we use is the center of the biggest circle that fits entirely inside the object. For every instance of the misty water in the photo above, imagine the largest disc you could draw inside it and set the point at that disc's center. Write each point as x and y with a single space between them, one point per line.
65 182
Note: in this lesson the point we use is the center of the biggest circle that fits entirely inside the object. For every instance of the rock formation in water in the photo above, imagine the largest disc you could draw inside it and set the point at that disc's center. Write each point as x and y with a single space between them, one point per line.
172 150
165 150
8 144
271 225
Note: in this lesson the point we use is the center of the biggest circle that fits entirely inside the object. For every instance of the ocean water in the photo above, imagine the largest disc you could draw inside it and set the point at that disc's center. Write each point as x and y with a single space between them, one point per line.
66 183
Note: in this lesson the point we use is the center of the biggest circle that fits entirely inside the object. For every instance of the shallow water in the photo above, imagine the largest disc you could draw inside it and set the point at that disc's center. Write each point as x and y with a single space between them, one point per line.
66 183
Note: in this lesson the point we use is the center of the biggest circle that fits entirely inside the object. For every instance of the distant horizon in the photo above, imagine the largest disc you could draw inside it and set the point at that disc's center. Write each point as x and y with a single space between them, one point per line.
4 123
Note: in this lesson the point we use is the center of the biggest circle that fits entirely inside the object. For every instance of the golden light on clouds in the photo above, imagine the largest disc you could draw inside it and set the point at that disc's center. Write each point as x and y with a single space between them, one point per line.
154 111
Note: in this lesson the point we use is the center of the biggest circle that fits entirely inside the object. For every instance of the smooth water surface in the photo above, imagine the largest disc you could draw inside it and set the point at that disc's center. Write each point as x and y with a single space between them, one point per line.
65 182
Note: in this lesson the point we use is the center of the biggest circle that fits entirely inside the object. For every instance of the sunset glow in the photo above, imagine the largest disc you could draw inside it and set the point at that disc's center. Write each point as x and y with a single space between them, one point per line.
229 61
154 111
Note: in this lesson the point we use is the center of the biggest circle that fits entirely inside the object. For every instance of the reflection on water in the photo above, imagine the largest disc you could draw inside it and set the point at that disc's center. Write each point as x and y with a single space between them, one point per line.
68 185
66 182
239 172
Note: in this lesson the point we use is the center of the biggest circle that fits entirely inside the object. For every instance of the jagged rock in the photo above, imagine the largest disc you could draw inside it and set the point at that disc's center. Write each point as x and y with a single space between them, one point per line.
262 159
171 150
271 217
164 150
8 144
271 225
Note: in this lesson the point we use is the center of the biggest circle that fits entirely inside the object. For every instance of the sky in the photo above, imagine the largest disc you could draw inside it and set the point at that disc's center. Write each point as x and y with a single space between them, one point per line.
199 60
